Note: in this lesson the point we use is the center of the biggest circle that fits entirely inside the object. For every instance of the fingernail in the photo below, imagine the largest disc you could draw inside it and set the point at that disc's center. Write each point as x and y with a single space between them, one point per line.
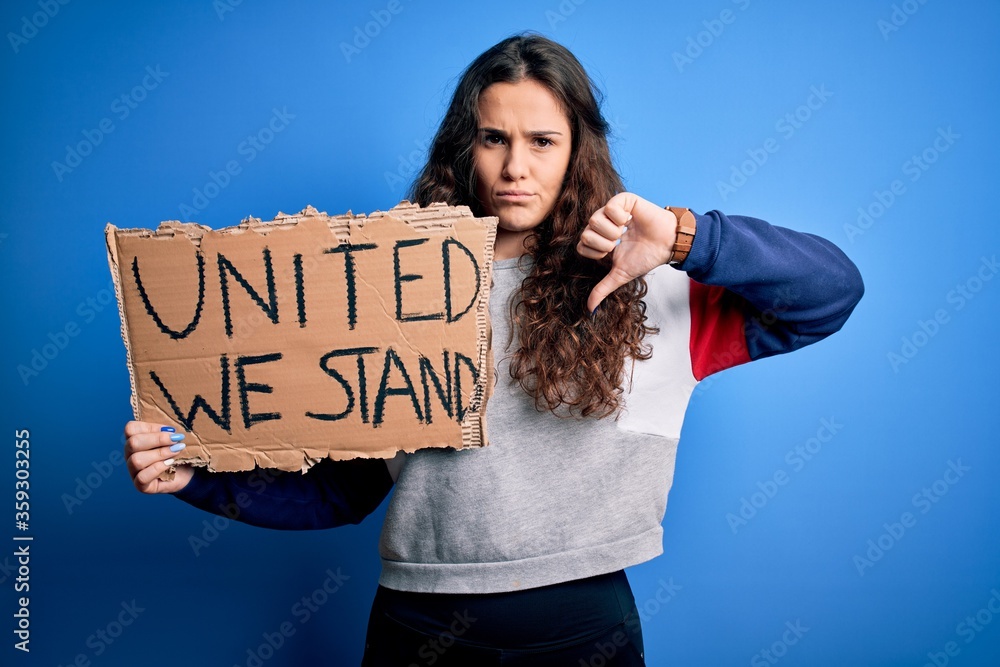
618 242
168 462
168 429
178 447
177 437
625 229
594 311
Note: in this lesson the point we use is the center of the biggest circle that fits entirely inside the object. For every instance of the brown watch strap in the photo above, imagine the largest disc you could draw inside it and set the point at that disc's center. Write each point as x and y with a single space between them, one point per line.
686 228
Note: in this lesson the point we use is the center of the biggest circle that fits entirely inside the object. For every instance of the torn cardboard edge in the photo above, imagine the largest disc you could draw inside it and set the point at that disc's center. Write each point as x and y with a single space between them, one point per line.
437 220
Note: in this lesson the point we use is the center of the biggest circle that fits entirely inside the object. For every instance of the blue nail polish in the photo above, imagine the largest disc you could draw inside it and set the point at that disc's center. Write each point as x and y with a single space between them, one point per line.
177 437
168 429
178 447
618 241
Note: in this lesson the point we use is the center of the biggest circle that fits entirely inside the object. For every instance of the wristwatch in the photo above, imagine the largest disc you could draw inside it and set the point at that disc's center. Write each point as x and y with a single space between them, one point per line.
686 227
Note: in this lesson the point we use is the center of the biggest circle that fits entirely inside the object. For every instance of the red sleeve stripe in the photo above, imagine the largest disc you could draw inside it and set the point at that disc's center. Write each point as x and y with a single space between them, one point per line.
718 340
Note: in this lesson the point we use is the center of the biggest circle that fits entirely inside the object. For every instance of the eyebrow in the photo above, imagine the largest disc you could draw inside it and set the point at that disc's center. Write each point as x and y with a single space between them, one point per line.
533 133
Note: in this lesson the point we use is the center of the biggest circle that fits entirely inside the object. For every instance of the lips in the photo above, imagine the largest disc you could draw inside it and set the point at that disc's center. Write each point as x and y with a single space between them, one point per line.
514 195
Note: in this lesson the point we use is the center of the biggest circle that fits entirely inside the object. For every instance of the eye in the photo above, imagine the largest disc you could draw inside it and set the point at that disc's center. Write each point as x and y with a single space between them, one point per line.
492 139
543 142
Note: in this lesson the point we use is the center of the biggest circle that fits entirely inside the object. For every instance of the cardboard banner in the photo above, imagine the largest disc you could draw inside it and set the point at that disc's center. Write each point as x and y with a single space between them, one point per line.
280 343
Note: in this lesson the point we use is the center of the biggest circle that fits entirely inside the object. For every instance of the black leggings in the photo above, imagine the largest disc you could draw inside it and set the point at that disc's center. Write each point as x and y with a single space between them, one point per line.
584 623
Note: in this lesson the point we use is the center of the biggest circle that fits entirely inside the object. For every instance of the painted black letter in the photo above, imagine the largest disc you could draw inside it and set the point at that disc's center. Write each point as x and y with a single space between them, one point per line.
444 394
270 309
251 418
352 295
462 360
446 261
300 290
401 278
152 312
199 402
384 390
324 363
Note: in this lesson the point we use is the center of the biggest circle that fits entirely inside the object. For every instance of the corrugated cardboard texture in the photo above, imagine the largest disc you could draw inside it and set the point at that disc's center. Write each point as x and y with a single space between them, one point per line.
280 343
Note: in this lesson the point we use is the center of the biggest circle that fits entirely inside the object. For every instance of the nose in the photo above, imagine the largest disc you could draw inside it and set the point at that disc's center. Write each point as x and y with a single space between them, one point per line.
515 166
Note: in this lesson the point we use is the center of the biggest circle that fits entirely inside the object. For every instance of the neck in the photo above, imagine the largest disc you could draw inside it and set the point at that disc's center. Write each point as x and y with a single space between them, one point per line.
509 245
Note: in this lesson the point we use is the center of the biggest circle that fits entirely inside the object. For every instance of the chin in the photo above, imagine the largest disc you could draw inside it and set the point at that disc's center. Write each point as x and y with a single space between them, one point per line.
517 227
518 223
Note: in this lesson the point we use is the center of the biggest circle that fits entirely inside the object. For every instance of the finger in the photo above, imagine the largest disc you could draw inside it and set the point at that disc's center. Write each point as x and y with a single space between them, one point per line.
144 448
604 226
146 435
147 479
144 459
601 235
621 206
617 213
137 427
594 245
615 279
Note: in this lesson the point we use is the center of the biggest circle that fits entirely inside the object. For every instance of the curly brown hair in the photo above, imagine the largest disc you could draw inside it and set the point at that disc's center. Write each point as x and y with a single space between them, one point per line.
566 357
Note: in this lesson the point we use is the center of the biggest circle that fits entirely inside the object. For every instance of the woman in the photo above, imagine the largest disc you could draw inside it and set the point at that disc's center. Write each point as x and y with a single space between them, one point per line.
606 311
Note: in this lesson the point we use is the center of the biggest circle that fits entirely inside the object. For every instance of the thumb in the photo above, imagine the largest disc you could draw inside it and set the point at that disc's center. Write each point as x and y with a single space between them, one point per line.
615 279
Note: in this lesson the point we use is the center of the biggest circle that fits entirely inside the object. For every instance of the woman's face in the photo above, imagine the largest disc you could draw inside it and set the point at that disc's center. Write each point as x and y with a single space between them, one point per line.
521 153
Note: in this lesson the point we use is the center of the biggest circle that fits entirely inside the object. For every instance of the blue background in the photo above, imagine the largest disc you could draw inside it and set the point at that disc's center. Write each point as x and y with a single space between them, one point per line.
361 123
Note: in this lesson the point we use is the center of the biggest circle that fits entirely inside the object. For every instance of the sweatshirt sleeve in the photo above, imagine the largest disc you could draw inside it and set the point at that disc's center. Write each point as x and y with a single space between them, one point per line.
330 494
758 290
